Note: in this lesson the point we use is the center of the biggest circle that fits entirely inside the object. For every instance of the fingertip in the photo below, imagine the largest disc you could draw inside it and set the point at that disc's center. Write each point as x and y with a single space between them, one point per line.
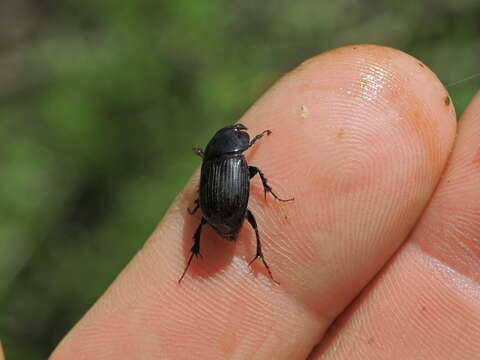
448 230
362 134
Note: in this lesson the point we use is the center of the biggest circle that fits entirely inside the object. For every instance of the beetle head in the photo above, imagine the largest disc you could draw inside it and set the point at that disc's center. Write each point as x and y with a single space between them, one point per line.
230 139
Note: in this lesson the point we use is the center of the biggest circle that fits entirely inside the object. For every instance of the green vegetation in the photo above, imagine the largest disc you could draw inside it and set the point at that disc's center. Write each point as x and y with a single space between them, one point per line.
102 100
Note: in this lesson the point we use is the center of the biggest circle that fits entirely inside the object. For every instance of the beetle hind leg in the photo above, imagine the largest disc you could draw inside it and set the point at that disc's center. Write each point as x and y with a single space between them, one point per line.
266 188
259 253
195 250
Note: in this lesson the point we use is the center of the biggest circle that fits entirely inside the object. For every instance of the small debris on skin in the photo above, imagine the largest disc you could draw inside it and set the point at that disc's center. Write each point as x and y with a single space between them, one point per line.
304 111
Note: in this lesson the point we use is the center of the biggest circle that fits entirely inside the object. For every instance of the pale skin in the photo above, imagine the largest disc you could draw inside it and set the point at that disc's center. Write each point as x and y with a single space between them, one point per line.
378 257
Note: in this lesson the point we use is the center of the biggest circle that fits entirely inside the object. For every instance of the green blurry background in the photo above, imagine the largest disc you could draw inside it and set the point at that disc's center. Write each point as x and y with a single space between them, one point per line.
102 100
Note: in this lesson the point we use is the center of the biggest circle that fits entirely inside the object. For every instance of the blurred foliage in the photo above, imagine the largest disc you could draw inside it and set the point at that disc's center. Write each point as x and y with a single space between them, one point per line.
102 100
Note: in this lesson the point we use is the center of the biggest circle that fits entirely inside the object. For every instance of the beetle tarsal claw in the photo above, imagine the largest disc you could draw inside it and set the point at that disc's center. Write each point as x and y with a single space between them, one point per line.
266 267
253 260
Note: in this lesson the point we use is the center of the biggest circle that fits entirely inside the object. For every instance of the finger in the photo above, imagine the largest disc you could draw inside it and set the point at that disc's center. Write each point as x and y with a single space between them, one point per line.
356 146
429 296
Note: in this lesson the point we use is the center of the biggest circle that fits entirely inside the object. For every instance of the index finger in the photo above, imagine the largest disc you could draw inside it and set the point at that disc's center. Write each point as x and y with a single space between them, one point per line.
360 137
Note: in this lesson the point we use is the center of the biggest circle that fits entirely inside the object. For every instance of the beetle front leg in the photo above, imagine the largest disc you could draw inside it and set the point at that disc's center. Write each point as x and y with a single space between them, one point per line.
195 250
259 253
259 136
266 188
194 210
198 151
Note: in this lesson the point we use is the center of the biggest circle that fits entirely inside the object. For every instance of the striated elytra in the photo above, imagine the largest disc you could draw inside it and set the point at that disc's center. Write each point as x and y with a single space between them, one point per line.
224 188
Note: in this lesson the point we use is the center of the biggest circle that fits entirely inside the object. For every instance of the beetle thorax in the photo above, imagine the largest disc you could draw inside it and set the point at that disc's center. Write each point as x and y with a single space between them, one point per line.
227 140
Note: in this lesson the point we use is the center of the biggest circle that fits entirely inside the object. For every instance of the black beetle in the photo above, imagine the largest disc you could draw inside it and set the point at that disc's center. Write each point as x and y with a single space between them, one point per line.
224 188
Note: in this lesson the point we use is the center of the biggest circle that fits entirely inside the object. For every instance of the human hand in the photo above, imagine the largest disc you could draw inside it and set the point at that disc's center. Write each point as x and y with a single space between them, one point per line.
361 138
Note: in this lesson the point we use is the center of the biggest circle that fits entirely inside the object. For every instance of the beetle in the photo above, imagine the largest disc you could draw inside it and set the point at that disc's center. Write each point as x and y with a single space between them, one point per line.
225 187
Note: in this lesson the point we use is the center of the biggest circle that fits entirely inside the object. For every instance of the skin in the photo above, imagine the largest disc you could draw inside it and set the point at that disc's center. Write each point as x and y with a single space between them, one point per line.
379 250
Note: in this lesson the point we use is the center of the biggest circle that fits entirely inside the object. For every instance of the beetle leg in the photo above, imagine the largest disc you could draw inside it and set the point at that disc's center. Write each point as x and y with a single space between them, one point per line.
258 137
259 253
198 151
194 210
195 250
266 188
